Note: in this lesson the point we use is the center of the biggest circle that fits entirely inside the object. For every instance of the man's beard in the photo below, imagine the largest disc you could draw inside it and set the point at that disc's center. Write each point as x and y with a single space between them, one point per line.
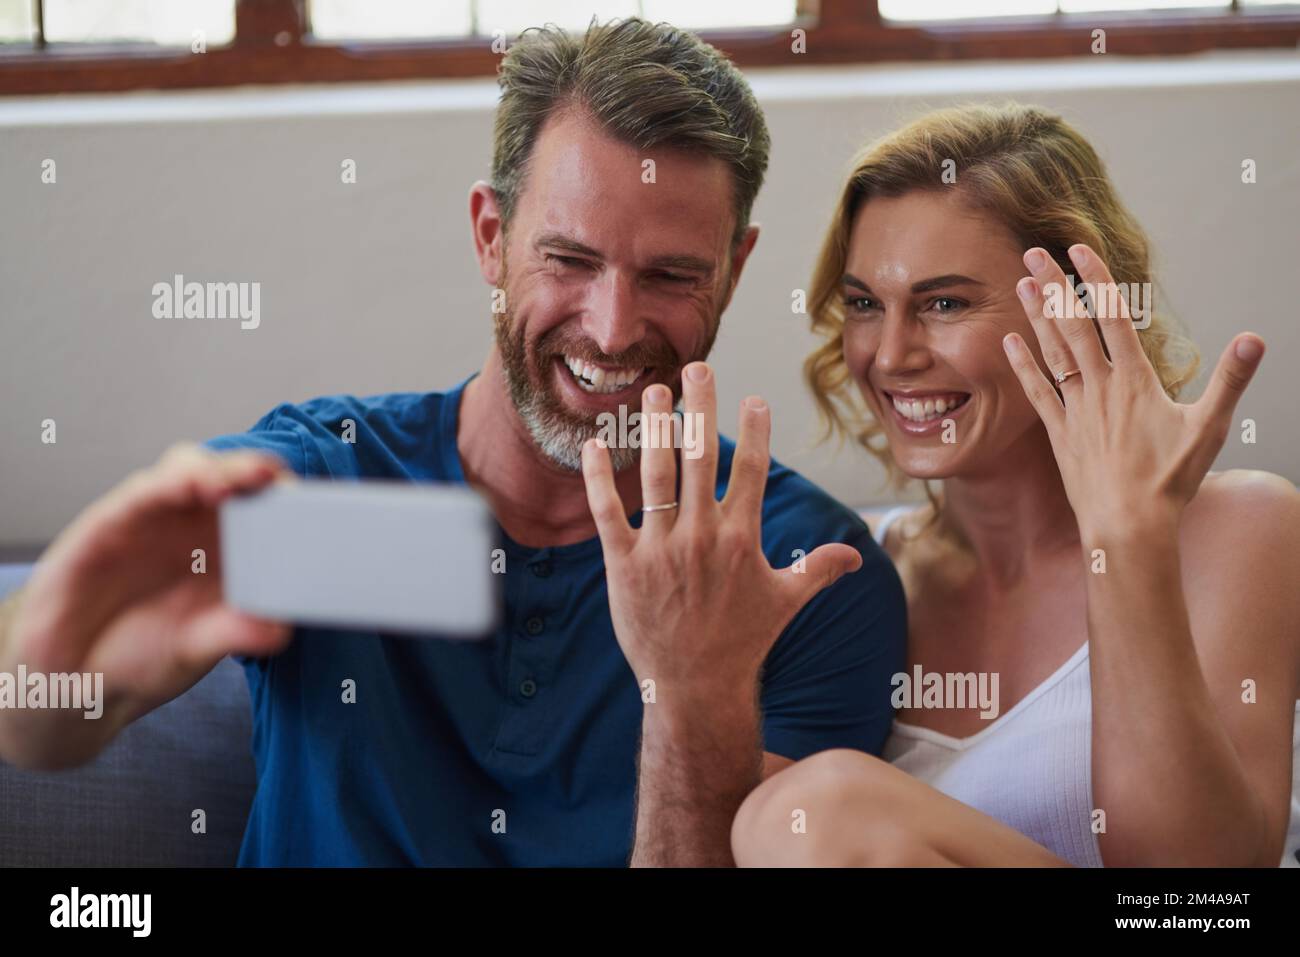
557 431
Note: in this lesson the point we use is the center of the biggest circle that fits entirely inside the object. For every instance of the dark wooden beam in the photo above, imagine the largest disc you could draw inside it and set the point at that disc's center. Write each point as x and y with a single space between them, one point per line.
836 38
262 23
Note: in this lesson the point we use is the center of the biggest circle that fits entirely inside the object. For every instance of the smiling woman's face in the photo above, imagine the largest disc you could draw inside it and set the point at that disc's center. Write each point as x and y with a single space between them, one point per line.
929 292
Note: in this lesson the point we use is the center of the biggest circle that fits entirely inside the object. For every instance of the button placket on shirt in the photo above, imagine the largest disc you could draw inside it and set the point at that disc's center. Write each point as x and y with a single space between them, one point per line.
528 667
534 626
527 658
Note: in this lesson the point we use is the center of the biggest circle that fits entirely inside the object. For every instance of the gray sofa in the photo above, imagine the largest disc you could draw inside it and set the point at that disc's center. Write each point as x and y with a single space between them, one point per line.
133 805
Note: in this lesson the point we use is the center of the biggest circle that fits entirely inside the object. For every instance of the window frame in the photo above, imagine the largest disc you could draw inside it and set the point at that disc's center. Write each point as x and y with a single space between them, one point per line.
272 45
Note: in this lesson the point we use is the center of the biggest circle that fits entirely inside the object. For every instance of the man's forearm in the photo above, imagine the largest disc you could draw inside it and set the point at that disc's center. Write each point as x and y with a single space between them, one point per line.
699 760
45 738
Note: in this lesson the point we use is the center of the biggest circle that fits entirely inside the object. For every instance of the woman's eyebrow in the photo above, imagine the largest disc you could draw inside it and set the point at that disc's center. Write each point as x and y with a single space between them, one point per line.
941 282
925 285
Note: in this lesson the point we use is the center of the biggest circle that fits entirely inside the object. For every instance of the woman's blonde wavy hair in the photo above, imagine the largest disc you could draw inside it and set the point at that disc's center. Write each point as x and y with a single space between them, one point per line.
1029 170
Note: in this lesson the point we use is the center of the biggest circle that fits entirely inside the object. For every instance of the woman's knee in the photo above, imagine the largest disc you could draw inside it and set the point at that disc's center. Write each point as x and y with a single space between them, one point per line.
830 809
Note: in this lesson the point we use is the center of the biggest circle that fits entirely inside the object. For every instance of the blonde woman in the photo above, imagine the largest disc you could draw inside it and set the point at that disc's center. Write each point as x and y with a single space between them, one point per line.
1142 616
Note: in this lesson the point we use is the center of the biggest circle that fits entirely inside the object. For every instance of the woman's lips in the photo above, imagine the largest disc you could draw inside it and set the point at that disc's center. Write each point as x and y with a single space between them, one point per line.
955 404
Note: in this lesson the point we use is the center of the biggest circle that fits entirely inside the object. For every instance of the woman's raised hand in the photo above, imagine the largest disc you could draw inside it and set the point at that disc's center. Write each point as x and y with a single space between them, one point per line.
1125 449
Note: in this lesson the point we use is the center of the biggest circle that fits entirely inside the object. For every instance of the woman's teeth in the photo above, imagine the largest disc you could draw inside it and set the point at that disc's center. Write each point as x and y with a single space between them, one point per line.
923 410
595 379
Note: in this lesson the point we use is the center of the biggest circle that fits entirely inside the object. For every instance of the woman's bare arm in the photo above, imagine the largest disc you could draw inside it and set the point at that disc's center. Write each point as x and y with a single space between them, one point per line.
1193 710
1184 773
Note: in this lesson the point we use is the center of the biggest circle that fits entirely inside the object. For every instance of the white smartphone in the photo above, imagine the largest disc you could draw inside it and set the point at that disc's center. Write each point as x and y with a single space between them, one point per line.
389 556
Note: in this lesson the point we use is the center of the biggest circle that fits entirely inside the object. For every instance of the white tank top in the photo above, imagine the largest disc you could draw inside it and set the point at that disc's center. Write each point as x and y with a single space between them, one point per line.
1031 767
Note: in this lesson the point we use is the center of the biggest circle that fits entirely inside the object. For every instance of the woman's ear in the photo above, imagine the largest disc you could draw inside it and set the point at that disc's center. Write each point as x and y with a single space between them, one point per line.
486 227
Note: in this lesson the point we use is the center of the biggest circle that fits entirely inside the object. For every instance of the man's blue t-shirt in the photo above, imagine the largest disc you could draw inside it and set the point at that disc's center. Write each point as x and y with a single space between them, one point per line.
520 749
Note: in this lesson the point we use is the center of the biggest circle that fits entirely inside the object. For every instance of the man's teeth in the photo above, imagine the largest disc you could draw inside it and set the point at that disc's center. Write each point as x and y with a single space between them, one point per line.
595 379
922 410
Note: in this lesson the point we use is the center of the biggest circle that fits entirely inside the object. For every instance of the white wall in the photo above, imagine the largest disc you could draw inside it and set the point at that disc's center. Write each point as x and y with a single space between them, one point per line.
372 287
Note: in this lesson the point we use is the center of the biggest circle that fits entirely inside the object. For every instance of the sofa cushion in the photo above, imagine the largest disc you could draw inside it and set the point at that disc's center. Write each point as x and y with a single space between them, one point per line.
133 805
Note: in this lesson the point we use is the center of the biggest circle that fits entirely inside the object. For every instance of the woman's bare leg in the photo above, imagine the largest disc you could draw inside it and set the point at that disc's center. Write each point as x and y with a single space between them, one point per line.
859 811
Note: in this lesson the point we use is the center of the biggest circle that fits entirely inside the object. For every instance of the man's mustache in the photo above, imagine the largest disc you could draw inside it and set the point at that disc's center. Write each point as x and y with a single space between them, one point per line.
635 358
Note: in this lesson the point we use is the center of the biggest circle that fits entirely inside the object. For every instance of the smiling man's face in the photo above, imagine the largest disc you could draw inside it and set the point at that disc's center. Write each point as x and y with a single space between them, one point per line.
611 282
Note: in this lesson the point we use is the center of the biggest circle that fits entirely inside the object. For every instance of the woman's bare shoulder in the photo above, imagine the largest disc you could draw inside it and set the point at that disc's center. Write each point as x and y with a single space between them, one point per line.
1244 501
1240 515
1241 555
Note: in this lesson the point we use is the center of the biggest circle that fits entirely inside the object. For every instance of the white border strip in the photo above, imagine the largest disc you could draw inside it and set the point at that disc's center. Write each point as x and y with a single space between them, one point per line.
772 85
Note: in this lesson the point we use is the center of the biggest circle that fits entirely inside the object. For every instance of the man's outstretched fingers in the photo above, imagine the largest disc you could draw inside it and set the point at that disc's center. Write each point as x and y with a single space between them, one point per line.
820 569
603 498
658 458
750 462
700 426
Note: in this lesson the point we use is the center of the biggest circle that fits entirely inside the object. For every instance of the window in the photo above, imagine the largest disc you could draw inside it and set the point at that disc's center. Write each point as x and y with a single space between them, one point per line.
101 45
17 24
163 22
141 21
389 19
917 11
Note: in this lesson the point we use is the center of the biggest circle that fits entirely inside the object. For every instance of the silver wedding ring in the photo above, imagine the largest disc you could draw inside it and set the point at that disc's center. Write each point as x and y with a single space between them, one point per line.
658 508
